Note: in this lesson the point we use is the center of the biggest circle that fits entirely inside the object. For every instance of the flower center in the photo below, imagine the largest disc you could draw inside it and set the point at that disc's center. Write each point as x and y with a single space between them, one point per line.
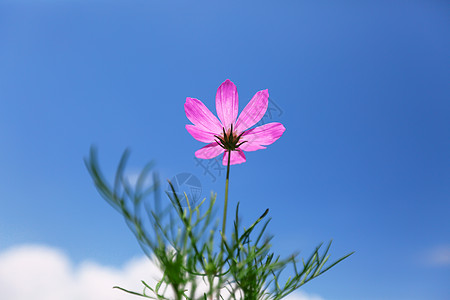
229 140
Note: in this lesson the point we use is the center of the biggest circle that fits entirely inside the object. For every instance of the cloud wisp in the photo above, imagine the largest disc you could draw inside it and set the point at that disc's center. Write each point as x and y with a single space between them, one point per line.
40 272
438 256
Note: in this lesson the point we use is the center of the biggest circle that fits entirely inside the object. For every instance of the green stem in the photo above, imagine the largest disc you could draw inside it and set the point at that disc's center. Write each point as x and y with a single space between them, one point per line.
226 194
224 224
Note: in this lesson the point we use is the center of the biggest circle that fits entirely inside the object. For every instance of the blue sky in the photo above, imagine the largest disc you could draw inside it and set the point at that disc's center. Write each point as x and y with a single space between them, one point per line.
362 88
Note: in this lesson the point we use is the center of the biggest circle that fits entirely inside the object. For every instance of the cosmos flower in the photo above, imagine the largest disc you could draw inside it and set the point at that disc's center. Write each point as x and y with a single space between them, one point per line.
231 135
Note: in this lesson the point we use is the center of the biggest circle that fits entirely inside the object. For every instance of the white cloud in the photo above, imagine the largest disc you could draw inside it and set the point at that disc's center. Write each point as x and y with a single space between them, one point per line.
303 296
44 273
438 256
33 272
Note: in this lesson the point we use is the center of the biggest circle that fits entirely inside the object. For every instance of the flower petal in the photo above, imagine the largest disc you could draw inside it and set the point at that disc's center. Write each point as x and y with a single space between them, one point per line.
209 151
251 146
262 135
201 116
254 111
227 103
237 157
200 134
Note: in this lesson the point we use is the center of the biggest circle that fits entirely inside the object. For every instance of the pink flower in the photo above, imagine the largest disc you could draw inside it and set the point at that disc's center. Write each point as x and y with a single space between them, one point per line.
229 133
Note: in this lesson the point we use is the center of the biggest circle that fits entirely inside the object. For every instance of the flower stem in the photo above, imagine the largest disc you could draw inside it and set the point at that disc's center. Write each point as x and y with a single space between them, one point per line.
226 194
219 284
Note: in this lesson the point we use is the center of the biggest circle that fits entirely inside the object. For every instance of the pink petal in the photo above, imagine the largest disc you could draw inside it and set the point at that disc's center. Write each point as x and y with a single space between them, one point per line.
201 116
209 151
254 111
237 157
251 147
200 134
227 103
263 135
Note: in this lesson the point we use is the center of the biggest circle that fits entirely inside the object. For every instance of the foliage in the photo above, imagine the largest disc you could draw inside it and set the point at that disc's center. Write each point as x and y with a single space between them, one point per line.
186 245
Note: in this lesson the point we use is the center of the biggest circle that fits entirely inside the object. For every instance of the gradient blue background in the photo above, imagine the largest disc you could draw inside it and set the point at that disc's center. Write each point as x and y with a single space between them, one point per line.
364 91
